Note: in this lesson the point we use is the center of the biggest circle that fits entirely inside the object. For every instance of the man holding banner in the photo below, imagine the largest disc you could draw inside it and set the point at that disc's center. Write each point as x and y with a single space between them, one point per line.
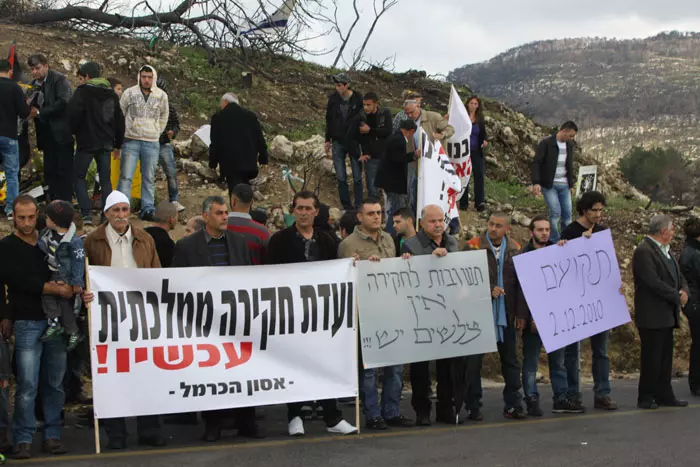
301 243
121 245
217 246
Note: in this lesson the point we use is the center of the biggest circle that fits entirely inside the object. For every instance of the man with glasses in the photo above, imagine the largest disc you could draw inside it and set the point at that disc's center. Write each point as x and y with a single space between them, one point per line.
369 242
590 208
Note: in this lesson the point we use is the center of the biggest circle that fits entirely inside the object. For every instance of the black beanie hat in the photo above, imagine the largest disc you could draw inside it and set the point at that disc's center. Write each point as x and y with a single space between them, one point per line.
61 213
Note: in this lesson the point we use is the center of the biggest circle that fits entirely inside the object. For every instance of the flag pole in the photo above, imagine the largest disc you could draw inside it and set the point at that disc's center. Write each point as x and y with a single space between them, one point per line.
96 422
357 356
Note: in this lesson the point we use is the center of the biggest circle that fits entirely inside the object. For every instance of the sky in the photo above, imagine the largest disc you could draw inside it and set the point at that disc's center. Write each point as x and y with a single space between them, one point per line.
440 35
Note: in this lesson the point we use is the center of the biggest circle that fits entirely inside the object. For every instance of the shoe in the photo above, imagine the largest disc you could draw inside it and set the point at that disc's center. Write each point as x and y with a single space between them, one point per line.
178 206
211 435
376 423
423 420
23 451
148 216
533 407
307 412
156 441
604 403
568 406
673 403
54 447
342 428
647 405
475 415
87 220
481 207
448 418
74 340
252 431
116 444
51 332
296 427
515 413
399 422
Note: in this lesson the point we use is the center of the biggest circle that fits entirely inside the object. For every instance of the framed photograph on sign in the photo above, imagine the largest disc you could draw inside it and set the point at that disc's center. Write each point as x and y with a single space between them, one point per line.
587 178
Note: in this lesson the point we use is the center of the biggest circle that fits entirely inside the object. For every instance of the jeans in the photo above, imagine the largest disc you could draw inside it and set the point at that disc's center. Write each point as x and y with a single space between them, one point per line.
9 150
392 203
391 392
38 363
532 346
148 153
558 201
600 364
339 154
371 168
477 178
167 161
81 165
510 369
571 362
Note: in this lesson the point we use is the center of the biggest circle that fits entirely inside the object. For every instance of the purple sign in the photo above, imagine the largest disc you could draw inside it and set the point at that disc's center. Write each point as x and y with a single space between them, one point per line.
573 291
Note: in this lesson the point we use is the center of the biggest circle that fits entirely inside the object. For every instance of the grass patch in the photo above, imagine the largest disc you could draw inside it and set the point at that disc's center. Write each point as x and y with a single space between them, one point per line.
511 192
306 131
620 202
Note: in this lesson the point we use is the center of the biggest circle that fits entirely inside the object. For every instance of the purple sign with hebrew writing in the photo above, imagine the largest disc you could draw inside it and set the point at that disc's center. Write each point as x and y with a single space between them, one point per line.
573 291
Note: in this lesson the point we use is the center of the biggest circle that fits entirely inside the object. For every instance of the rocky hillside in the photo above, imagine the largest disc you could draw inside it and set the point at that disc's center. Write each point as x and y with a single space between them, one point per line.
642 91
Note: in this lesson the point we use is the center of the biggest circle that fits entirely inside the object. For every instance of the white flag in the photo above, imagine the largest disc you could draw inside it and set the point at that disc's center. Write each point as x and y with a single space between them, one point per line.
438 182
458 148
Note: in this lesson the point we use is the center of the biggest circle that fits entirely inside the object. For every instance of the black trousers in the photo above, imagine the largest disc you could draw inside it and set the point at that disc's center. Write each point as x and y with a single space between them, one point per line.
331 413
243 418
656 365
234 178
421 384
58 170
145 426
477 179
694 373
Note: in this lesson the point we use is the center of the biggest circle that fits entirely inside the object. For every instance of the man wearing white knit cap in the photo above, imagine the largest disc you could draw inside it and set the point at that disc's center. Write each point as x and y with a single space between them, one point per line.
119 244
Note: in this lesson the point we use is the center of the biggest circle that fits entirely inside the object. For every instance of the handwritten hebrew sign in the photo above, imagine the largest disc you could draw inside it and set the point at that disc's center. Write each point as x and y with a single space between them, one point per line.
573 291
425 308
193 339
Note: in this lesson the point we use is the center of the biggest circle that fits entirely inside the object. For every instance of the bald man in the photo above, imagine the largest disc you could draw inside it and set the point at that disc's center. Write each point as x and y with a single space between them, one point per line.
195 224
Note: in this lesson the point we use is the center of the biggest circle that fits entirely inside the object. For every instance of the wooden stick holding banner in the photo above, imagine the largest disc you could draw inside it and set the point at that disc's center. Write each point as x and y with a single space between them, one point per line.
357 354
92 344
419 184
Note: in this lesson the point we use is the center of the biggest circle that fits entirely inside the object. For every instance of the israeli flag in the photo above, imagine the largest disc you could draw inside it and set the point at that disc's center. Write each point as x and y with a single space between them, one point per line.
274 22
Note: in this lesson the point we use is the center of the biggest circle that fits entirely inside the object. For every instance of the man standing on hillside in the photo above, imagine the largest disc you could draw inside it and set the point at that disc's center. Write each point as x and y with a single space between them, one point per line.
343 106
97 121
237 142
660 291
51 93
240 221
367 136
146 111
553 175
590 208
12 107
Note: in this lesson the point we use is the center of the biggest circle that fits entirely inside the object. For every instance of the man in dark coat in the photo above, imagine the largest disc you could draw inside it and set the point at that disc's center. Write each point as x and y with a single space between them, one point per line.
660 291
690 266
237 143
217 246
51 93
392 173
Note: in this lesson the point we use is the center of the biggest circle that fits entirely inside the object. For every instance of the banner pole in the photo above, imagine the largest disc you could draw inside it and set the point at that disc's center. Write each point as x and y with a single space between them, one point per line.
96 422
357 356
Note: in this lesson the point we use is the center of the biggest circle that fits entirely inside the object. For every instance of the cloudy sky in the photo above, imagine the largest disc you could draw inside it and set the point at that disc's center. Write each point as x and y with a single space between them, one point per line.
440 35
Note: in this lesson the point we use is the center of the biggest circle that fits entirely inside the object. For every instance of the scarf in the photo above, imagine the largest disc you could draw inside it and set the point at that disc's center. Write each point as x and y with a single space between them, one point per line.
499 304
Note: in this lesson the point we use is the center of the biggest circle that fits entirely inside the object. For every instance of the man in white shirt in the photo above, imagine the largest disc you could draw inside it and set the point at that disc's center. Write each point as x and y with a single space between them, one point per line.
553 177
121 245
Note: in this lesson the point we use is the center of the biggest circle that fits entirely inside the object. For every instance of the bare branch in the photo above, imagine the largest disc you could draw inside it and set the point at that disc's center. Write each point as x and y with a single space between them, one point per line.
386 5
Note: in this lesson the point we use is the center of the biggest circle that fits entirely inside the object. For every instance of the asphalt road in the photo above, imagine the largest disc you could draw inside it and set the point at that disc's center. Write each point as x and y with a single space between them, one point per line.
627 437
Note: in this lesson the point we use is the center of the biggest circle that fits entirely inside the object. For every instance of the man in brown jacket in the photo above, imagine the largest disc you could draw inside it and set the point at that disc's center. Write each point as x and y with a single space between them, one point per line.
121 245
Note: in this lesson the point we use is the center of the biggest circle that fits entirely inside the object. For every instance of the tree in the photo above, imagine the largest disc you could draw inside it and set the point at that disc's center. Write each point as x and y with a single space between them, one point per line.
664 172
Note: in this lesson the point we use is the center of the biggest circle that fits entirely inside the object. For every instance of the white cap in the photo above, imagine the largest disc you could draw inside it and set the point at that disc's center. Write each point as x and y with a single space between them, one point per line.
115 197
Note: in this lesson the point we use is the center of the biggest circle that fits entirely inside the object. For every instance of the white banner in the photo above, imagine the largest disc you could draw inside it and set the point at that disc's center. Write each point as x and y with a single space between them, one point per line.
424 308
458 149
438 182
194 339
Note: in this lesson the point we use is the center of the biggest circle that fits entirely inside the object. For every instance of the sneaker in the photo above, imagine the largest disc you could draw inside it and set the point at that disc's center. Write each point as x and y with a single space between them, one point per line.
296 427
87 220
399 422
307 412
376 423
568 406
74 340
23 451
342 428
604 403
51 332
533 407
515 413
178 206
